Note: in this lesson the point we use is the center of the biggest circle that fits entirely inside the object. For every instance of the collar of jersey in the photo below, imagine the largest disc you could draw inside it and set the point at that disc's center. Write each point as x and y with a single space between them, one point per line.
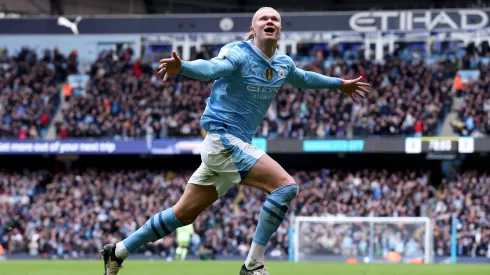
260 53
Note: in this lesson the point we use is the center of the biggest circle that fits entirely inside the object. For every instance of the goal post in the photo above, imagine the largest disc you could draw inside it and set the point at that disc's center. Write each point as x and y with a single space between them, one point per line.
363 239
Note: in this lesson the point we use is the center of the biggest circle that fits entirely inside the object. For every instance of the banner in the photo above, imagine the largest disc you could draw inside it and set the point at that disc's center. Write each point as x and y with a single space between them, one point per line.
333 145
390 145
364 21
101 147
366 145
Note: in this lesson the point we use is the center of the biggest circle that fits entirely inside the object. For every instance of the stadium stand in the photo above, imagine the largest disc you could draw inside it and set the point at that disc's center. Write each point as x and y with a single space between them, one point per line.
29 91
474 117
125 99
66 205
67 214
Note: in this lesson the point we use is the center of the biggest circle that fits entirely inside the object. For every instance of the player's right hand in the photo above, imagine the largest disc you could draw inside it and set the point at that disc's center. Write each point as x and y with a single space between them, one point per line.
170 66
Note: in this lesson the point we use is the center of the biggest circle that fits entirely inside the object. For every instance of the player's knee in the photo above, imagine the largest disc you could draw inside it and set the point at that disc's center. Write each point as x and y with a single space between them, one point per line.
186 215
293 190
287 192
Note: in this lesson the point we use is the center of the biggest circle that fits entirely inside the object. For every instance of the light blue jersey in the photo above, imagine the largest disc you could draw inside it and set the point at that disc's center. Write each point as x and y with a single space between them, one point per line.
247 82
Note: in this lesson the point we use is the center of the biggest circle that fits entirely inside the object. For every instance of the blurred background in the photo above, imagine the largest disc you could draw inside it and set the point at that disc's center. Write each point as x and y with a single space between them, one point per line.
92 143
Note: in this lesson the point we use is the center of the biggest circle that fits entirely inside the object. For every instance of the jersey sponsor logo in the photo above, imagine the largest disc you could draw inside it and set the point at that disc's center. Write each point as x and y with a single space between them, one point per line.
268 74
262 89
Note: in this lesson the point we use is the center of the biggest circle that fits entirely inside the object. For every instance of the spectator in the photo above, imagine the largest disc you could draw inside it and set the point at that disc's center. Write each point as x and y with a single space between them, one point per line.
29 95
74 214
126 100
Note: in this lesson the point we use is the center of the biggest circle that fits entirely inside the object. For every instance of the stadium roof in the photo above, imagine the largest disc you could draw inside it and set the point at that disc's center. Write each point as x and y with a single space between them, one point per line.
85 7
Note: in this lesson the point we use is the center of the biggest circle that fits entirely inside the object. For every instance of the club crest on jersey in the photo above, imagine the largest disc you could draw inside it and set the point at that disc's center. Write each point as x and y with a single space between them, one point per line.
281 73
268 74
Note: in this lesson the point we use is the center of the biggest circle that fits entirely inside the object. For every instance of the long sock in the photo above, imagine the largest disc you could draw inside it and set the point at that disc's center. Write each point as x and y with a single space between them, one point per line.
184 254
178 253
157 227
255 256
271 216
121 251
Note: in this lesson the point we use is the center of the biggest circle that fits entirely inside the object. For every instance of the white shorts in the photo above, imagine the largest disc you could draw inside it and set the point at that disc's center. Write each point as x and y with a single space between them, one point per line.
226 160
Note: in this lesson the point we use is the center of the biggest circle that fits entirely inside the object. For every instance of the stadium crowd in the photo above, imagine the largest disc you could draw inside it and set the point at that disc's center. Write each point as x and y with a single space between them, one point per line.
29 92
74 214
474 116
124 99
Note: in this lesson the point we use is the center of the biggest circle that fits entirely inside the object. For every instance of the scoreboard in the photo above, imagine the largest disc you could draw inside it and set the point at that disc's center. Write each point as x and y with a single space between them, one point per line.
417 145
433 145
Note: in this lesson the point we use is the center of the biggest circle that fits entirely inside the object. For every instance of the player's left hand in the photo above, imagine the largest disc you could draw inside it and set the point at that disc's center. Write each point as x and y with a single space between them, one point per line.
353 87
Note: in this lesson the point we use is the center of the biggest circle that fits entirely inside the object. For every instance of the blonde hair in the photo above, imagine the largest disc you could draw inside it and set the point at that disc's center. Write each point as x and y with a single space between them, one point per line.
250 35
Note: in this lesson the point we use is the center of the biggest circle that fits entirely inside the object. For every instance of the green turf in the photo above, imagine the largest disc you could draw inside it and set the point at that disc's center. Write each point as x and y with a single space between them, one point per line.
232 268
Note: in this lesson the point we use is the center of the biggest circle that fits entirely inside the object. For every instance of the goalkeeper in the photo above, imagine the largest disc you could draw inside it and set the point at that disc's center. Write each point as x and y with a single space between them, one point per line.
184 235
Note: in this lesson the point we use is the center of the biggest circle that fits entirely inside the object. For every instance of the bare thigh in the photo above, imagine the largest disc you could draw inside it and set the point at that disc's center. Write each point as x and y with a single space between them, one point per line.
267 175
194 201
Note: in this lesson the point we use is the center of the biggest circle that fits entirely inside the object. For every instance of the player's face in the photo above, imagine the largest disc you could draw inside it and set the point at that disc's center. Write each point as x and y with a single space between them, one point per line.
267 24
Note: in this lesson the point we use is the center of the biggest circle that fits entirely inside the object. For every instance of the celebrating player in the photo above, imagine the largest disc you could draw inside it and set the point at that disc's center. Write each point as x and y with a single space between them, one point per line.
249 74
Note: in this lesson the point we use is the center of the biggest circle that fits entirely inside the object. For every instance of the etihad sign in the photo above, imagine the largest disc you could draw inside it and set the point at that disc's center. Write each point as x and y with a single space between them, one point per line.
417 20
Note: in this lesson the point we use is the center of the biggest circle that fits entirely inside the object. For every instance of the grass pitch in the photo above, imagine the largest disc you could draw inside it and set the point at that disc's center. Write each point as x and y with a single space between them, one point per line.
232 268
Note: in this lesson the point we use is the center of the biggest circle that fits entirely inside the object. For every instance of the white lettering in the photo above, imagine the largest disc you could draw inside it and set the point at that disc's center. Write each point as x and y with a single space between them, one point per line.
89 147
464 19
69 147
262 89
440 145
21 147
442 18
362 18
410 20
384 18
54 147
262 96
108 147
252 88
403 20
425 20
4 147
41 147
61 148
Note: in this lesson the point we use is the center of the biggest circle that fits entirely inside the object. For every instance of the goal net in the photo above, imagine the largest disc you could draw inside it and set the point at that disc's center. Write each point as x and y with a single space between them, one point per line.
363 239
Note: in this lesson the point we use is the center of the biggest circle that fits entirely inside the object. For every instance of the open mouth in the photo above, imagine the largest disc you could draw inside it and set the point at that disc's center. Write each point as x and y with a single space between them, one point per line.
269 30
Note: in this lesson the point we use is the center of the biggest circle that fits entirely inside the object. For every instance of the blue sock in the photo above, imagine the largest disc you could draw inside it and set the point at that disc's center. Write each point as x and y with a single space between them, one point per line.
157 227
273 211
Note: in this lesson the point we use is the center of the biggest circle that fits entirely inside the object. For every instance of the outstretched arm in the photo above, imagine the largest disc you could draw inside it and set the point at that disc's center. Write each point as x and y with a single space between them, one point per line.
221 66
311 80
207 69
